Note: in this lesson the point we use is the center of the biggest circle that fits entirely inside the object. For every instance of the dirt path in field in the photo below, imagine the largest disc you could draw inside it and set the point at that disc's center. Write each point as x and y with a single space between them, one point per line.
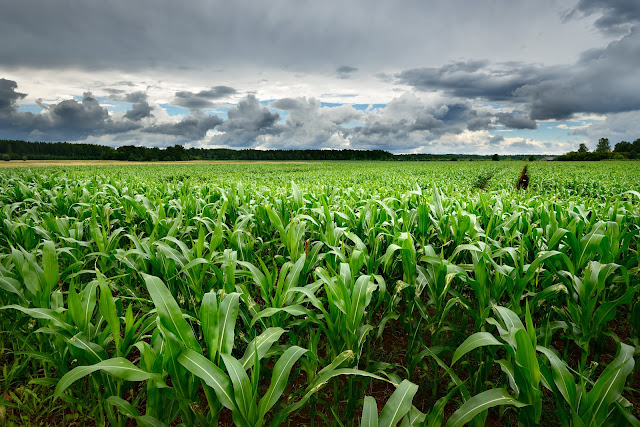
38 163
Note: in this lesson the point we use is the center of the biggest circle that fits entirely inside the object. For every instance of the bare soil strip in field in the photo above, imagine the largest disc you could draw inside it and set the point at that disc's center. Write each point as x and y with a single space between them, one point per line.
38 163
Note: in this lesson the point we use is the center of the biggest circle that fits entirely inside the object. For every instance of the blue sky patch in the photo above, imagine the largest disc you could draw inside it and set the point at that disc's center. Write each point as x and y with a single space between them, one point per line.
353 124
172 110
115 106
30 108
546 131
331 104
363 107
283 115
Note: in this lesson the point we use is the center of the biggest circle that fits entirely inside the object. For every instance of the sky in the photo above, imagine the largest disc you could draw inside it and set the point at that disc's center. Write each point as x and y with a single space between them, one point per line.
407 76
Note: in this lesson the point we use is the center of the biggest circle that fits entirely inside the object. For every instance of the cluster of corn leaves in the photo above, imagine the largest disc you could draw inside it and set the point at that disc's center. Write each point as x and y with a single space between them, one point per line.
183 301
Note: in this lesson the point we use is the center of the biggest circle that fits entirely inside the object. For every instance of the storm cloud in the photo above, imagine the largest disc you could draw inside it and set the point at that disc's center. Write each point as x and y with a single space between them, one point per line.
75 120
345 71
247 124
189 128
616 16
140 107
408 122
204 98
69 119
475 79
9 96
204 35
603 80
516 122
403 76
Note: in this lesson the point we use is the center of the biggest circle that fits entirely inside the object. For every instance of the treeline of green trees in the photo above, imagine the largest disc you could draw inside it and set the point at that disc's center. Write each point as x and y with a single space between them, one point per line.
622 150
454 157
23 150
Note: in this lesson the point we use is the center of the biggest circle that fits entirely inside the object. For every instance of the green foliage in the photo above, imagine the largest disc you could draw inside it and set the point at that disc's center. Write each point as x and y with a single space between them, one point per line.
351 294
603 145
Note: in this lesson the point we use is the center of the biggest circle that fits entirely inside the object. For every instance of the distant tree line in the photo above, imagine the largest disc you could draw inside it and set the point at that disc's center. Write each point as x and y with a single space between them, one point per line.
425 157
17 150
622 150
24 150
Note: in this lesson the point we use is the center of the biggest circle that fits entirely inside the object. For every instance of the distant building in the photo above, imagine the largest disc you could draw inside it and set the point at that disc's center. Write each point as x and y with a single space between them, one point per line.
547 159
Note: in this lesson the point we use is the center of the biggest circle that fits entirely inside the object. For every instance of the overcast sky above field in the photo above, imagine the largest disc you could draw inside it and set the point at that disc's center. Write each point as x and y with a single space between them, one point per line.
435 76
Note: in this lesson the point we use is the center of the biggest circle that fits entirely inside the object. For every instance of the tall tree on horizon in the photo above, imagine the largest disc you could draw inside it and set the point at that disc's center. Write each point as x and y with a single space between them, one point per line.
603 145
623 147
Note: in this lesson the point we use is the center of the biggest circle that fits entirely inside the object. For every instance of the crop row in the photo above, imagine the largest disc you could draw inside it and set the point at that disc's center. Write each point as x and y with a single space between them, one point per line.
176 298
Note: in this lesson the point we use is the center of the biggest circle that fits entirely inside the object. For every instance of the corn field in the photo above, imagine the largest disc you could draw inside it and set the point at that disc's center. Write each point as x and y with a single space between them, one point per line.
344 294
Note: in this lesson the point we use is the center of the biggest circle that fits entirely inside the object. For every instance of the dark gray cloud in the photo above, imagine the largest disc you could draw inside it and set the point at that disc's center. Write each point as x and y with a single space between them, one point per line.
138 111
247 123
135 97
496 140
191 101
67 120
479 123
217 92
408 122
86 114
189 128
345 71
603 80
9 96
287 104
516 122
114 92
203 34
76 120
476 79
140 108
70 119
616 16
202 99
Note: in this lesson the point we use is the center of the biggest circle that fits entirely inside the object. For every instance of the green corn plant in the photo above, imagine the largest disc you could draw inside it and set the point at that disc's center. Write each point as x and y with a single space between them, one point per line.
593 304
77 332
177 335
526 374
180 248
274 288
235 390
347 300
291 235
398 409
603 404
521 367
